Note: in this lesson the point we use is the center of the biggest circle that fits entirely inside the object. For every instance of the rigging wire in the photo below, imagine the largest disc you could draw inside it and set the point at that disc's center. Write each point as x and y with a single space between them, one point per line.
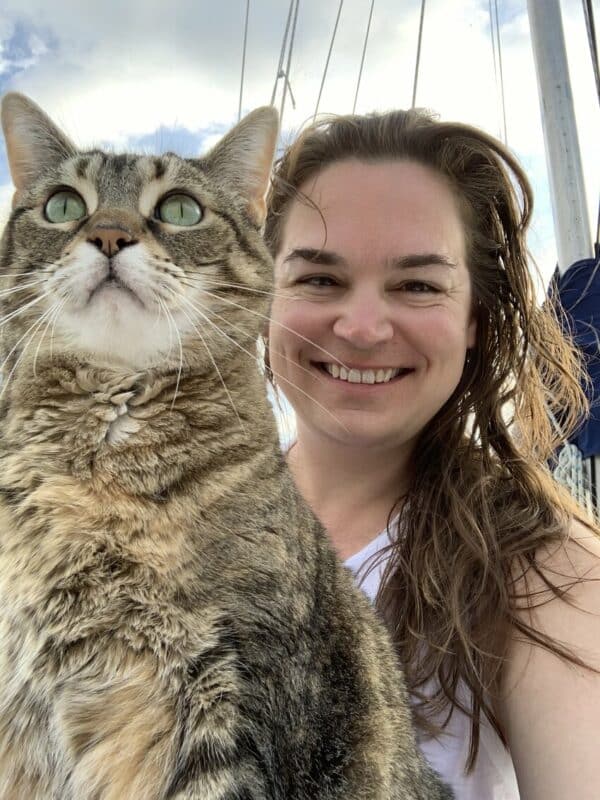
286 84
362 60
495 59
243 59
328 57
420 39
588 10
505 137
279 72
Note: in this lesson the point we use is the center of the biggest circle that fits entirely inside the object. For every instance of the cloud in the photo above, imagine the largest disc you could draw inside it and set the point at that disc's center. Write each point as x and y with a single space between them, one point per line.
137 73
176 140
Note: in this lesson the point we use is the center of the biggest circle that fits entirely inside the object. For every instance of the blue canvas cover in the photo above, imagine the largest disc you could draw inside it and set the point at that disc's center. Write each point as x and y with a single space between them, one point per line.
579 293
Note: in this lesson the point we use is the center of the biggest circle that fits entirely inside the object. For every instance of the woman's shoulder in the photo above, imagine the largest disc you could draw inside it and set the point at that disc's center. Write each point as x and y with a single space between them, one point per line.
560 598
568 558
572 564
550 706
579 548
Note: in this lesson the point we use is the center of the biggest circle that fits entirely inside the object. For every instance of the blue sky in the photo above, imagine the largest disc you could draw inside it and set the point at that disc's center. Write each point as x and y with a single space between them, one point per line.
140 75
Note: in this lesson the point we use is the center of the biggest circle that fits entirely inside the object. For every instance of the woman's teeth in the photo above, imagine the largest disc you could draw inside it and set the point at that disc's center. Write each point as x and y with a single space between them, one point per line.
362 376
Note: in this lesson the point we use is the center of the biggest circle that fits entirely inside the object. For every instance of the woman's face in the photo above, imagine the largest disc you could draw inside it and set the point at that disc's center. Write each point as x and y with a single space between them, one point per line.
385 292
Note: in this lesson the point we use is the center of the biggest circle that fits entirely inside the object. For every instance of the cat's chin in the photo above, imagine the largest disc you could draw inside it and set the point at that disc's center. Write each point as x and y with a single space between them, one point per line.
114 296
115 328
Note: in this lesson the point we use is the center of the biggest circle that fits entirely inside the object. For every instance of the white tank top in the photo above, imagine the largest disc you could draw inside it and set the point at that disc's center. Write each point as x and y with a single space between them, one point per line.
493 777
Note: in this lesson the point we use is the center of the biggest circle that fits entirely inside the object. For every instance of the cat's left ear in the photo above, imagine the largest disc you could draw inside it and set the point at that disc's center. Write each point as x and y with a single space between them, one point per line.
33 142
243 159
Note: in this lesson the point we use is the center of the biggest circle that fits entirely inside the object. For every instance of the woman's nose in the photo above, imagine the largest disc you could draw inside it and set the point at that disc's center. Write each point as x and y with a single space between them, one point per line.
364 323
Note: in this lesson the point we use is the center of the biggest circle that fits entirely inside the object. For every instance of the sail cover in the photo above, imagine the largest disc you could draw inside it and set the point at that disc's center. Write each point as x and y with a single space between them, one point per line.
579 292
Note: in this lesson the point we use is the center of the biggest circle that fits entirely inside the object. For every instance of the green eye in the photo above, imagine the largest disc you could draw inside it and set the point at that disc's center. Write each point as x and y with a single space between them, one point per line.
65 206
179 209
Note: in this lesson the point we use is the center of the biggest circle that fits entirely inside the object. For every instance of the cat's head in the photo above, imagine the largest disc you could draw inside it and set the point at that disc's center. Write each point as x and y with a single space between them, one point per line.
130 260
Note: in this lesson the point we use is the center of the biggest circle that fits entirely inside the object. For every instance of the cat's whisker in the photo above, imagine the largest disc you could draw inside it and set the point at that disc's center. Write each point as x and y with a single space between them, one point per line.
68 295
170 316
254 357
335 359
35 325
285 358
23 308
48 314
22 287
39 269
18 342
215 262
217 370
158 313
20 274
200 281
56 308
163 308
202 313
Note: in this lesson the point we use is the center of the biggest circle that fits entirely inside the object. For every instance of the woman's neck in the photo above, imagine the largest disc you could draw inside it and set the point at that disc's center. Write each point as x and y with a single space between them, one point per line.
351 489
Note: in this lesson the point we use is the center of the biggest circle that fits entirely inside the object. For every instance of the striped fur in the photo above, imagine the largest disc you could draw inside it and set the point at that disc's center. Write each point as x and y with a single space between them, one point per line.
173 621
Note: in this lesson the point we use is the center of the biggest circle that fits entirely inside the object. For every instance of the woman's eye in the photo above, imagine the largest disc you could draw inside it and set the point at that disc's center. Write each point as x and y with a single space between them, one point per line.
318 280
65 206
179 209
418 287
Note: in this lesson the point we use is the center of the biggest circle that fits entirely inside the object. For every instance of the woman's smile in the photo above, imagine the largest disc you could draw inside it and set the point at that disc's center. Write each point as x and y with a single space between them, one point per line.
362 377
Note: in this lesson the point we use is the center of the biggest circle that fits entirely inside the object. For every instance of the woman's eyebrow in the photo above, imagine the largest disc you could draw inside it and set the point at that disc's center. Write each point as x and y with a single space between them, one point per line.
315 256
330 259
421 260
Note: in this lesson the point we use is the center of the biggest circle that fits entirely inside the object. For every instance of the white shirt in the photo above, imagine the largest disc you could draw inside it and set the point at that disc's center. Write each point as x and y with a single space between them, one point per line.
493 777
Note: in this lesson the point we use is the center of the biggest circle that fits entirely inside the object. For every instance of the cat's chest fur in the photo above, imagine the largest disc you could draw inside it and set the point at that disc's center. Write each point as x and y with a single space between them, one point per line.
124 571
96 529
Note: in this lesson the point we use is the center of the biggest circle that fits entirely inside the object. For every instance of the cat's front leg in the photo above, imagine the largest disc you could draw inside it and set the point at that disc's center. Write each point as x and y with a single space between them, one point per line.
119 733
223 786
214 758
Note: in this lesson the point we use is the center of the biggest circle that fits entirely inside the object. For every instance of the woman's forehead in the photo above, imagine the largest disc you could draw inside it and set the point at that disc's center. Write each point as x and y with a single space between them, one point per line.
383 204
393 180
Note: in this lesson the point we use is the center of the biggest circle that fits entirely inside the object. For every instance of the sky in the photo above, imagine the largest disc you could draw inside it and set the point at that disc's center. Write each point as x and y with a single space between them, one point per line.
149 76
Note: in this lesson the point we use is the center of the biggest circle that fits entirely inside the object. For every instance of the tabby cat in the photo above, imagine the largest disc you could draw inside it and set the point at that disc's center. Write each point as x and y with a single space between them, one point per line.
173 622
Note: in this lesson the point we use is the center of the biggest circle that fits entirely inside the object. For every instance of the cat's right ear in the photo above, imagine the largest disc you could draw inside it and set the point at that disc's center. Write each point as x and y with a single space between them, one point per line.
33 142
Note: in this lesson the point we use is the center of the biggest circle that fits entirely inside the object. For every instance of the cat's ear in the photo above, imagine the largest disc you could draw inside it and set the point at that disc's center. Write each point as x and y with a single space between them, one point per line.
244 157
33 142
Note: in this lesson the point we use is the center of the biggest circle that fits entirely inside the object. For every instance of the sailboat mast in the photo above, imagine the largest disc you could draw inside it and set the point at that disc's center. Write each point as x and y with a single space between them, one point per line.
567 189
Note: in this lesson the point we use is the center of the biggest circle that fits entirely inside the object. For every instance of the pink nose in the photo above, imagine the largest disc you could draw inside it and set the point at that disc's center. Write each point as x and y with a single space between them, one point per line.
110 240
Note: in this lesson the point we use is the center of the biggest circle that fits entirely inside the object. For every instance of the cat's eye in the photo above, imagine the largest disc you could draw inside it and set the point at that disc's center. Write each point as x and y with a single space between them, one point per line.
179 209
65 206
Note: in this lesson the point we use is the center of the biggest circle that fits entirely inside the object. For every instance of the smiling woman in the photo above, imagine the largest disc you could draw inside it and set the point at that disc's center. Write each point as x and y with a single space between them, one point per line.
389 295
404 332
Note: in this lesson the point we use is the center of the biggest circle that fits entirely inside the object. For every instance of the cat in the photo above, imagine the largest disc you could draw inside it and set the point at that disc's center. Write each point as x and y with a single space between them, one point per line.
173 620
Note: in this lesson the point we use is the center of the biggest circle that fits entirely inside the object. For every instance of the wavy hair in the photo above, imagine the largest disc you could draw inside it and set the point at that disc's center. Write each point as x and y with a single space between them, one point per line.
482 503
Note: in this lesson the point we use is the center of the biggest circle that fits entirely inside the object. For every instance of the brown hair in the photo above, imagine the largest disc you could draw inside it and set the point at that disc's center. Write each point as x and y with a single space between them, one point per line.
483 501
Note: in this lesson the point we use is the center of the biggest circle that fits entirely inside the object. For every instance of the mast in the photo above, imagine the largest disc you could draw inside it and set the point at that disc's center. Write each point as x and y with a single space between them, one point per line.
565 173
567 189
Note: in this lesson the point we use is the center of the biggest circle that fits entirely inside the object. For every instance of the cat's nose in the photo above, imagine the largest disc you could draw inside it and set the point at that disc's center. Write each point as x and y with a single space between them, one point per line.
110 239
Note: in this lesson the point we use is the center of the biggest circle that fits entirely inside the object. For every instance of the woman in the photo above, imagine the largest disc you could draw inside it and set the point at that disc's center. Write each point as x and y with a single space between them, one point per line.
424 378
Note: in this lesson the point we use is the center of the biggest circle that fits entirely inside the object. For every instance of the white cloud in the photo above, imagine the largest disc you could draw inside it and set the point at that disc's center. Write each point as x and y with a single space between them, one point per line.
111 71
